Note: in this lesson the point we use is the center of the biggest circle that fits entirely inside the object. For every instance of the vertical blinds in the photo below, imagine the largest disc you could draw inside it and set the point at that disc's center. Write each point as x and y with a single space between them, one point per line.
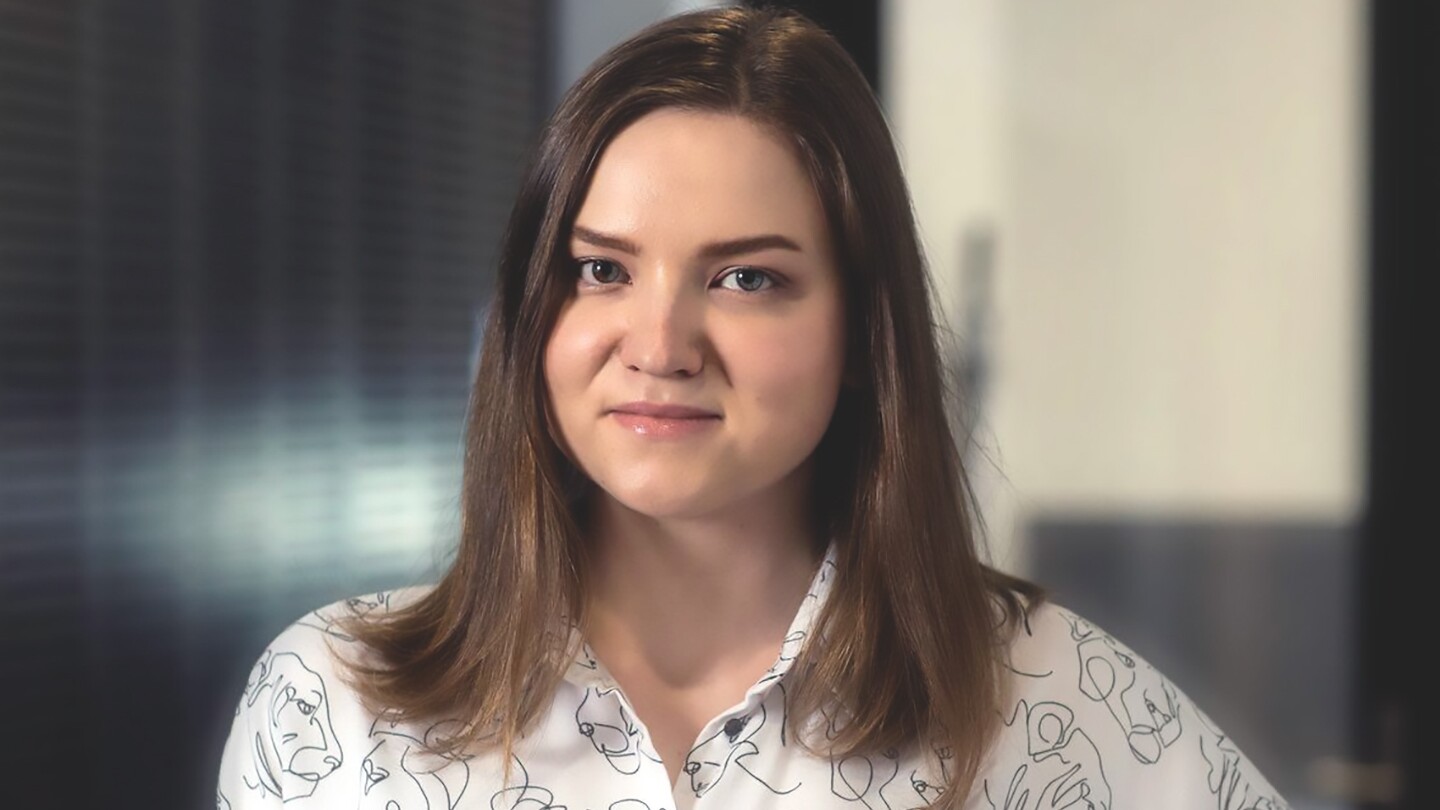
243 249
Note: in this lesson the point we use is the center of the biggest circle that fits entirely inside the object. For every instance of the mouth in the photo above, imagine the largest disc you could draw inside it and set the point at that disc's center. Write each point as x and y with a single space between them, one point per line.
664 427
665 411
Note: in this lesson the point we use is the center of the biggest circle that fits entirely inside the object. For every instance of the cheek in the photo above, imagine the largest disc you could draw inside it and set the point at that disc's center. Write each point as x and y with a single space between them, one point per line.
792 368
572 353
575 353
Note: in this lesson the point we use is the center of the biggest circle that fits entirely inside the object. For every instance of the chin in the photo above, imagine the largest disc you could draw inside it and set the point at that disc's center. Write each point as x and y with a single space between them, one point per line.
665 502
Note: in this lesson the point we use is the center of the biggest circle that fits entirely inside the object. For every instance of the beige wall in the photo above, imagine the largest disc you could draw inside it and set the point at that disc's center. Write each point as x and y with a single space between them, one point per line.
1175 192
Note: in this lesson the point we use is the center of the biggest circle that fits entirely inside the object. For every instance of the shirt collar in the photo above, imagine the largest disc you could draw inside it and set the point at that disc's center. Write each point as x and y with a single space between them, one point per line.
586 671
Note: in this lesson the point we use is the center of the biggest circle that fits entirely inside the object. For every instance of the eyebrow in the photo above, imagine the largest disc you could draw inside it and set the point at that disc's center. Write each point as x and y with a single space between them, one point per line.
714 250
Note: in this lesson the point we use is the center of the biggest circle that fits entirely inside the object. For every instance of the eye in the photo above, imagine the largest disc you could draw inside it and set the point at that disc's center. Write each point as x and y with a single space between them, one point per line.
603 272
750 279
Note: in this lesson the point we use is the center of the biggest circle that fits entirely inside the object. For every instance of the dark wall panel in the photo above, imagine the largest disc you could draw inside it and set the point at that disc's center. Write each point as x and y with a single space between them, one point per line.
243 249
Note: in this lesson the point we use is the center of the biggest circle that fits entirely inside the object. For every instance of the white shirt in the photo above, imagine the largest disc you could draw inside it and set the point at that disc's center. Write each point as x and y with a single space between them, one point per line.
1088 724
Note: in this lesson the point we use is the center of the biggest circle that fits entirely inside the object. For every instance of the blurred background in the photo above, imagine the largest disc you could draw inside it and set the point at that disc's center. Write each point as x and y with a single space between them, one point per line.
245 248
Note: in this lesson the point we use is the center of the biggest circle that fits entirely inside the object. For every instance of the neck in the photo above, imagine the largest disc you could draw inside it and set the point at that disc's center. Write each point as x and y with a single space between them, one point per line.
685 595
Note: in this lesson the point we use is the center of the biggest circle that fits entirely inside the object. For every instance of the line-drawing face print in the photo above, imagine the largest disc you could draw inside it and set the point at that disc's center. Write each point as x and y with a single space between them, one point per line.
221 803
356 605
864 779
859 778
1009 657
789 649
822 582
1232 788
297 746
585 659
1009 665
401 773
794 640
708 761
1064 768
926 791
929 791
1145 705
524 796
827 570
603 719
369 602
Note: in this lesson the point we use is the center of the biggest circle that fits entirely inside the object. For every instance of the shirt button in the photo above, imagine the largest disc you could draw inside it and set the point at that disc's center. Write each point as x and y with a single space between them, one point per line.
733 727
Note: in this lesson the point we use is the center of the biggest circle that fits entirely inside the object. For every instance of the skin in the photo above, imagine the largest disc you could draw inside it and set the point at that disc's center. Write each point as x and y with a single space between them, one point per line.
704 543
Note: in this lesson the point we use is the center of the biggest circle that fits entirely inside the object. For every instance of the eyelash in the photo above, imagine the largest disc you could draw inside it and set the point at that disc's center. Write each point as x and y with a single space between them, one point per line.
775 281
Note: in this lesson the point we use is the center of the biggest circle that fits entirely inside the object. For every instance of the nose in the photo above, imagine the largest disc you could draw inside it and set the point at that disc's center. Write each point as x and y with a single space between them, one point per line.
664 334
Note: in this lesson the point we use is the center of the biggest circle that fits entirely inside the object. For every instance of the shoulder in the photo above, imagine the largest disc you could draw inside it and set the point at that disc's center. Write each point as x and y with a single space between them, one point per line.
1051 636
326 622
313 651
1085 716
317 646
298 719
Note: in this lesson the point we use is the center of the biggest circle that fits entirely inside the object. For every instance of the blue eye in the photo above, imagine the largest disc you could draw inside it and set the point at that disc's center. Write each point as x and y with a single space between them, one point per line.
750 279
600 277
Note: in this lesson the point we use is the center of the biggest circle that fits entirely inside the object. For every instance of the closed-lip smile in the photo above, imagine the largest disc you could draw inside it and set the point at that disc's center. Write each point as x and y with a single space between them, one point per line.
659 411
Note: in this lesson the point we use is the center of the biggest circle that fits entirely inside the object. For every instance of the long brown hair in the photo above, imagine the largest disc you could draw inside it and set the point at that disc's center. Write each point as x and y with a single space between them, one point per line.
916 623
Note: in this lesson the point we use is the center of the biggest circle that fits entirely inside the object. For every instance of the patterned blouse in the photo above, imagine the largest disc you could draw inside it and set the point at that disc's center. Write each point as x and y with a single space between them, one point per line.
1088 724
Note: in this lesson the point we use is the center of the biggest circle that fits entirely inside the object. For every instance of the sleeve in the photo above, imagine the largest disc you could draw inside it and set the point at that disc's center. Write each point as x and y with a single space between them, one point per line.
283 744
1091 721
245 782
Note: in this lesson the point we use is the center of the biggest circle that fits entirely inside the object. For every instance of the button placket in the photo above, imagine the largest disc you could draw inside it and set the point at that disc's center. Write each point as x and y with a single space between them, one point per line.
733 734
734 726
738 752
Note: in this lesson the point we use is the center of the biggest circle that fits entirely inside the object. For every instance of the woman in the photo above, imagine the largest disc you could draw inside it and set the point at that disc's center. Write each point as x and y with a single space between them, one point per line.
717 548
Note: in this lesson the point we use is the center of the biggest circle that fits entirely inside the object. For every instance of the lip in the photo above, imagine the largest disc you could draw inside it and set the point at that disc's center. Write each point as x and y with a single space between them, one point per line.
661 421
661 411
664 427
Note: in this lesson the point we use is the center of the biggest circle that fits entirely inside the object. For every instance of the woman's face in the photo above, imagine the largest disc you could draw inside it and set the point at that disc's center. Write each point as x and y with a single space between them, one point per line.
703 278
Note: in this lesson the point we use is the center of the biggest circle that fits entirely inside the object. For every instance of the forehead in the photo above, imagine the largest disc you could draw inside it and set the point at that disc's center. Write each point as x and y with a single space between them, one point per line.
676 171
